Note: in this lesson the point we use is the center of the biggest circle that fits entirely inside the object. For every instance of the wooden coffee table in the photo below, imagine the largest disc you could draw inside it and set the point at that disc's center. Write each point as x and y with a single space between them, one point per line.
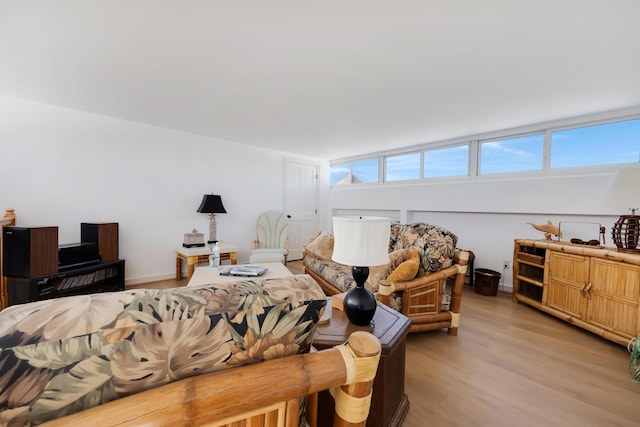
389 403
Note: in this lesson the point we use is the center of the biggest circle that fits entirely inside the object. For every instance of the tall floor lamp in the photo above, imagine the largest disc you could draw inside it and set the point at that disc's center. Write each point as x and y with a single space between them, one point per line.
624 192
361 242
212 204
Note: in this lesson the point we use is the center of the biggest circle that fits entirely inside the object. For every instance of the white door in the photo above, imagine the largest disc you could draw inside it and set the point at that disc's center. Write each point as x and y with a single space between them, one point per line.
301 205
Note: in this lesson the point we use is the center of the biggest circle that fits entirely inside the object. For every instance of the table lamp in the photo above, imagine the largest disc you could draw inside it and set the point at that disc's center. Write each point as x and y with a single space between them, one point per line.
361 242
624 192
212 204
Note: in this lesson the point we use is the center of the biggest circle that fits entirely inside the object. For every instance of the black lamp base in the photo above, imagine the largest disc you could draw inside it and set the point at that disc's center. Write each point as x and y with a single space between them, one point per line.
359 303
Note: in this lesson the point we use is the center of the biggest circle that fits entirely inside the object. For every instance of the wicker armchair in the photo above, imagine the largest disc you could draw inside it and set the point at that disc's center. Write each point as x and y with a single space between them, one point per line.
432 299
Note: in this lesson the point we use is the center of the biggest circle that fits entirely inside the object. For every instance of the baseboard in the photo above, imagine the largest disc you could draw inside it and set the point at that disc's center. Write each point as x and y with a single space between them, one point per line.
506 288
148 279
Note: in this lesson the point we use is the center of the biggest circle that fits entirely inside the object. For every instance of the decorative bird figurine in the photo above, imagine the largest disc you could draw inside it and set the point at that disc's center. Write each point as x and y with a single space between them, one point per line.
548 229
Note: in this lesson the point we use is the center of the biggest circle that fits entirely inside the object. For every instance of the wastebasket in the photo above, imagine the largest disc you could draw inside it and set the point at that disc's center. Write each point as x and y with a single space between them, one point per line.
486 282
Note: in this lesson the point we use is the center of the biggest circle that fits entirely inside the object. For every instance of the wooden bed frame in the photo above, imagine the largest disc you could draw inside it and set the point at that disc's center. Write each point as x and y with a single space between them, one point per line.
259 395
9 219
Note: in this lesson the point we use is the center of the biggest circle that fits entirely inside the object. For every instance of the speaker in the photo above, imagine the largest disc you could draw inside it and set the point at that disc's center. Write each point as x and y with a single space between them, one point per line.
105 235
29 251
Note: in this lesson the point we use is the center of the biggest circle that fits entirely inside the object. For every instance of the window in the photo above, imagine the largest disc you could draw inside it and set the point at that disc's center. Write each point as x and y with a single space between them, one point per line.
512 155
604 144
365 171
402 167
450 161
339 173
355 172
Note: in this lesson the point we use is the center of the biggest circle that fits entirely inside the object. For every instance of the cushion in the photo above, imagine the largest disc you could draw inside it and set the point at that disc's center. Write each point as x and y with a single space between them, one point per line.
381 272
321 246
436 245
339 275
266 257
407 270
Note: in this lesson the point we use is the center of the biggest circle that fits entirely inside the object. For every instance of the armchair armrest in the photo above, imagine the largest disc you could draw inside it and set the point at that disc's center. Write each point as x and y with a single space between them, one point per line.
421 296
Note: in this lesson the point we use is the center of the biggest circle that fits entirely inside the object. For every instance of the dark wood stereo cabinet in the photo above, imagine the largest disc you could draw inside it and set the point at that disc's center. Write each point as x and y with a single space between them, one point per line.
104 277
33 272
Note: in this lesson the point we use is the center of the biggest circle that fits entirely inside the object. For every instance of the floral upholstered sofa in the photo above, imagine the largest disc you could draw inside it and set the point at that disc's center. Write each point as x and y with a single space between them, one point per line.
148 356
423 280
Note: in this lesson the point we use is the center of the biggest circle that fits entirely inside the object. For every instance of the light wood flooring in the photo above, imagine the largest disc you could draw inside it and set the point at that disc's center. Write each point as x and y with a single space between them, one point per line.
511 365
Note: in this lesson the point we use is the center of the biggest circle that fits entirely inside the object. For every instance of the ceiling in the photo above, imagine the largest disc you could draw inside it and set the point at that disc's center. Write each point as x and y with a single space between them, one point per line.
327 79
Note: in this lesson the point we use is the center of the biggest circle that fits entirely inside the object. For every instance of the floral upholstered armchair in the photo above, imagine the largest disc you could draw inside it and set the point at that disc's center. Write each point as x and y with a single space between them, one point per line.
423 280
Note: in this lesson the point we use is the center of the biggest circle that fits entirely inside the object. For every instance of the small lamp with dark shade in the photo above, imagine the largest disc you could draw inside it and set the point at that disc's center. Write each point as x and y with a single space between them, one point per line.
624 192
361 242
212 204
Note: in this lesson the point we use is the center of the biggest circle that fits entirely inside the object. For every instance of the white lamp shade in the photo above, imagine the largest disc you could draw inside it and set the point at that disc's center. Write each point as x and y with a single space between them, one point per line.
624 190
361 241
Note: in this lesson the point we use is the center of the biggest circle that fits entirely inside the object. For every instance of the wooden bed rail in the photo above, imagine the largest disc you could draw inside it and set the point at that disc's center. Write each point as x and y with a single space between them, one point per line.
9 219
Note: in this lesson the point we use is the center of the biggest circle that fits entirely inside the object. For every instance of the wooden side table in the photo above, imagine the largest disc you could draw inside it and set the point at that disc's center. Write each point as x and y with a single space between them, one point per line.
195 256
389 403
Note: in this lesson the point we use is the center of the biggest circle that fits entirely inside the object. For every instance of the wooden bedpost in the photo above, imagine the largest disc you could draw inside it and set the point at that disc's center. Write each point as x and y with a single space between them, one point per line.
353 400
10 215
9 219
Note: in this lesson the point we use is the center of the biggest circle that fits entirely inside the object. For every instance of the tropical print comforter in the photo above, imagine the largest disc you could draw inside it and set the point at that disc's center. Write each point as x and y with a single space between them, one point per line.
64 355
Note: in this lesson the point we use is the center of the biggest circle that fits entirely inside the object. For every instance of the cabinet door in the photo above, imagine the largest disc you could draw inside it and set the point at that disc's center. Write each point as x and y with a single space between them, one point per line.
568 279
614 296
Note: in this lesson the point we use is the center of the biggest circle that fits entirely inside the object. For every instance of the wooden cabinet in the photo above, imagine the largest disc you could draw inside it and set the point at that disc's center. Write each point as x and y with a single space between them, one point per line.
596 289
528 273
568 280
613 297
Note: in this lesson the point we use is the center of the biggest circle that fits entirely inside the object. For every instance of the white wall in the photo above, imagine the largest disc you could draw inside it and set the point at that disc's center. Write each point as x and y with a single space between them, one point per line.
61 167
486 214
